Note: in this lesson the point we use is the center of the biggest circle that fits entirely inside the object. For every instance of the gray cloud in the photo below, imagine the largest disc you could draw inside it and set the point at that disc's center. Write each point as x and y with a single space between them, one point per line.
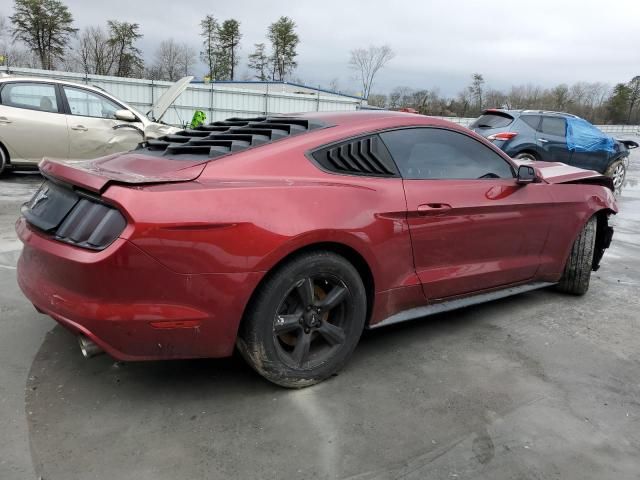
437 43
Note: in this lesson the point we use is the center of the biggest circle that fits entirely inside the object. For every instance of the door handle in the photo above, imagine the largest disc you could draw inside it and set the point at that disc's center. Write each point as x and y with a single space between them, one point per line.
5 120
80 128
543 140
433 208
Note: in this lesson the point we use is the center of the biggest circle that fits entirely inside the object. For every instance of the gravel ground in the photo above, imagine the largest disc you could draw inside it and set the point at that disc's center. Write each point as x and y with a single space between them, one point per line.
538 386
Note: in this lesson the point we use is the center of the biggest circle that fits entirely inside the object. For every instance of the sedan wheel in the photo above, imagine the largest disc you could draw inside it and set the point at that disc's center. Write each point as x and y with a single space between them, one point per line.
305 320
309 325
618 174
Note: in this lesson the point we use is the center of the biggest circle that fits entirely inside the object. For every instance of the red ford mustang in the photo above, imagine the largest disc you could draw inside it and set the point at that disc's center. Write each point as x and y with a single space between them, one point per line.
287 235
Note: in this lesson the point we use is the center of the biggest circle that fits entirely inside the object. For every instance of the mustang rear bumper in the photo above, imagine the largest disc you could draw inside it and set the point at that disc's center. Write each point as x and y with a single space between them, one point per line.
129 304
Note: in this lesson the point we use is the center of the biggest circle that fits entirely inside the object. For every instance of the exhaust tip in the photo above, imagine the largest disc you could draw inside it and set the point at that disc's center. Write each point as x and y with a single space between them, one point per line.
88 348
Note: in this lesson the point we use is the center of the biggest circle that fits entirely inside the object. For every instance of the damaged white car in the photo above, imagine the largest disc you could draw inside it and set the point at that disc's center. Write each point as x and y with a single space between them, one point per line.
59 119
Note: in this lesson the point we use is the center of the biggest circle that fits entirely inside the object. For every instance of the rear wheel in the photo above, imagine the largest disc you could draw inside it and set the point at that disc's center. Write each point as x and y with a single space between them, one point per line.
617 171
577 271
527 156
305 320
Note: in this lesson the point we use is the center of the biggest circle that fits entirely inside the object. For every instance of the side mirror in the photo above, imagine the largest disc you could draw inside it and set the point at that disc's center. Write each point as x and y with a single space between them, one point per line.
125 115
526 174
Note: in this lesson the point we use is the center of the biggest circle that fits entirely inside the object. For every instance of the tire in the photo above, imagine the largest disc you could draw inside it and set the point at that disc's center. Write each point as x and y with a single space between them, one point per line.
305 320
577 271
526 156
617 171
4 160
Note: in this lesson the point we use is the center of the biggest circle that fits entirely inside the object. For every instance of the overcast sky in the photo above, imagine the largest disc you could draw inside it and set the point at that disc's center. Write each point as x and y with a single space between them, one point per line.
437 43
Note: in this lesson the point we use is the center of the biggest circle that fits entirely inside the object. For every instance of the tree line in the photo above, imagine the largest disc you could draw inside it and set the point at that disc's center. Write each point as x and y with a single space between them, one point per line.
594 101
41 34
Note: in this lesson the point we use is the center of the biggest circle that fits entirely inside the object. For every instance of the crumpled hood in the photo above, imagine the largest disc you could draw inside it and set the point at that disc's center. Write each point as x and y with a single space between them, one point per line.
122 168
556 172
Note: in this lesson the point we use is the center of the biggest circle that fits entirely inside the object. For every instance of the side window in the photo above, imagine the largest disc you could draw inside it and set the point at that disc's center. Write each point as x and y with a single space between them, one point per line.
532 120
34 96
554 126
88 104
434 153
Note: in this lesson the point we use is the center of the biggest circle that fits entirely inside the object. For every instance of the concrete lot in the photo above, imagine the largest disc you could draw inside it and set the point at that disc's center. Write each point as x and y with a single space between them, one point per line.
539 386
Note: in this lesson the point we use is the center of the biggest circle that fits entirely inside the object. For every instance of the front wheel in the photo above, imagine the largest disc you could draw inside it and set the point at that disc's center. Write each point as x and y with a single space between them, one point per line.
4 161
617 172
305 320
577 271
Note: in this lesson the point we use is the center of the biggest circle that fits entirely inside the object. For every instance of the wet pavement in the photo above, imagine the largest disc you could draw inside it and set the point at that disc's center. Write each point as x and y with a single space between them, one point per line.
538 386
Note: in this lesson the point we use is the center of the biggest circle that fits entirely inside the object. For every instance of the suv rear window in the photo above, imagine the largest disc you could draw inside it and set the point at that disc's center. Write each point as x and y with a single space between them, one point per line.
492 120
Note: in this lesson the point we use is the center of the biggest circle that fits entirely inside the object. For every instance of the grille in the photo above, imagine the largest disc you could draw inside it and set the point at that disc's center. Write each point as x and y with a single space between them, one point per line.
363 156
72 217
229 136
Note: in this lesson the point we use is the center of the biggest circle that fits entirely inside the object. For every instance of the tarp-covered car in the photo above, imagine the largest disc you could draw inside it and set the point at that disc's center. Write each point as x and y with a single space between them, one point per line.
555 137
59 119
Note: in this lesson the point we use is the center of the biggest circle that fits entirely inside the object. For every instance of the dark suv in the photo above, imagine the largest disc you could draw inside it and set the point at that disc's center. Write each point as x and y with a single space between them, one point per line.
542 135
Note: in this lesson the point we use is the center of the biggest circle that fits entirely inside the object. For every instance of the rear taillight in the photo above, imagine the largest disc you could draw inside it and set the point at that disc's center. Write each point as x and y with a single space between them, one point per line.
502 136
73 216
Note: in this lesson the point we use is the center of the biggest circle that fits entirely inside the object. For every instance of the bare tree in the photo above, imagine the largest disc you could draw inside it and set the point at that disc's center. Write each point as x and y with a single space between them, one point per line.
367 62
94 52
186 59
13 53
634 95
172 61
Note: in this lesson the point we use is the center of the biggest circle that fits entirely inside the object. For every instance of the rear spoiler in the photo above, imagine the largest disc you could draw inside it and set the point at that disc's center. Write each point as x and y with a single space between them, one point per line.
497 111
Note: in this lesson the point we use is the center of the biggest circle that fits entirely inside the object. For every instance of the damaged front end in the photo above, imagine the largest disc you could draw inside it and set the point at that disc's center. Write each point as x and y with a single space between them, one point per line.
604 234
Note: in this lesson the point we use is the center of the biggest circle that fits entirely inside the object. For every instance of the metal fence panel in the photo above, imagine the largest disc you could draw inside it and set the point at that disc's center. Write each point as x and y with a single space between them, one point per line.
218 101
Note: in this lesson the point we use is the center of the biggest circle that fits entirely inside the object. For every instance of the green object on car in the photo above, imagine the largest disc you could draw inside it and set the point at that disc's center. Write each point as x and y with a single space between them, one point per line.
198 119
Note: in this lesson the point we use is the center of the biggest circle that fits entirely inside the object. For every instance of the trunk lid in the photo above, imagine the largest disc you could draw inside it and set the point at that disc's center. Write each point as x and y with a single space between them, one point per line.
123 168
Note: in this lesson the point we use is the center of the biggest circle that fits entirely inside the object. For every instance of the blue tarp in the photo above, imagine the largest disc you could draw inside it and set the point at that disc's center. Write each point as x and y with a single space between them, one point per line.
584 137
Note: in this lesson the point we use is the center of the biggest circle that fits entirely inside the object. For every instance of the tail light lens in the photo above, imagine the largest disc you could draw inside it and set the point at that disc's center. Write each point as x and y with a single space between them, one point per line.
74 217
502 136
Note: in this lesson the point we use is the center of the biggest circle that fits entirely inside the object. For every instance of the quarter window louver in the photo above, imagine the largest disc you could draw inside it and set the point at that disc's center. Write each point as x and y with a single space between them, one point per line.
362 156
222 138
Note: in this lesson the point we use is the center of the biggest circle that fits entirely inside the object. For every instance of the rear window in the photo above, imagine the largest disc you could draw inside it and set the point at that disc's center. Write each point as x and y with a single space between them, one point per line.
492 120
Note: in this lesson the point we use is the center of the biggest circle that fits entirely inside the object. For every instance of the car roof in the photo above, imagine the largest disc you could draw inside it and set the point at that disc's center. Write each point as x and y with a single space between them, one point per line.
516 113
15 78
356 117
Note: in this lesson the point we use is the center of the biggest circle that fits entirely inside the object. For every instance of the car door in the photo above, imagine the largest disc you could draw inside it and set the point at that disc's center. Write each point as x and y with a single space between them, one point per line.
32 122
472 226
93 129
552 139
